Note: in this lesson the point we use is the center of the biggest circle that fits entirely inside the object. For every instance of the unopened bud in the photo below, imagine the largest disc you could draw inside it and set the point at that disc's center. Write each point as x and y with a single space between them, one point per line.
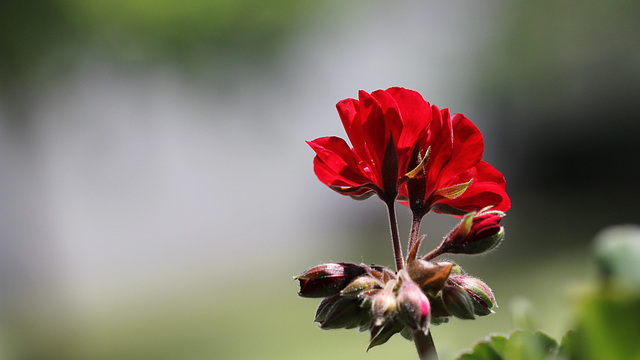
413 305
481 294
383 307
360 284
458 302
342 312
328 279
476 234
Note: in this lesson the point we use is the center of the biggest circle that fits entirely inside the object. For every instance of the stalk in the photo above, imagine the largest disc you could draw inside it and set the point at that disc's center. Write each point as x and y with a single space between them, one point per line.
424 345
395 235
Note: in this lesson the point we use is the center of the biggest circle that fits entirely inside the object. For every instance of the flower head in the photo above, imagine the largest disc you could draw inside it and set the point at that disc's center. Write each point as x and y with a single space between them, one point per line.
383 128
454 180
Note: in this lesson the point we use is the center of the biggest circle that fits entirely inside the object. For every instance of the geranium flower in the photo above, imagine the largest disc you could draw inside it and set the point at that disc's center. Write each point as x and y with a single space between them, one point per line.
454 180
383 128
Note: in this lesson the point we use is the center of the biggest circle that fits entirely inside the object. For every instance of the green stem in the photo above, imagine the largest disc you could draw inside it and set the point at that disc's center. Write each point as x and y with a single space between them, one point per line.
424 345
395 235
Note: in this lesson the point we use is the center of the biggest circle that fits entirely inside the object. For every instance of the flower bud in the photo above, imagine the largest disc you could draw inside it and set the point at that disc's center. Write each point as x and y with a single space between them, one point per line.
328 279
438 310
481 294
361 284
341 312
413 305
476 234
458 302
383 307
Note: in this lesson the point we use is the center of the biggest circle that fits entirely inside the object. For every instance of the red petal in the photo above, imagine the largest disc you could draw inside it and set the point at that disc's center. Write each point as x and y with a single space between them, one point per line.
352 122
468 147
374 130
415 114
487 189
441 142
391 114
335 161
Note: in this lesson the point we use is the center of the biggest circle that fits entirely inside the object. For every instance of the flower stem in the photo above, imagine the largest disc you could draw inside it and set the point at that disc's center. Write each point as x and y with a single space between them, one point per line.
424 345
415 229
433 254
395 235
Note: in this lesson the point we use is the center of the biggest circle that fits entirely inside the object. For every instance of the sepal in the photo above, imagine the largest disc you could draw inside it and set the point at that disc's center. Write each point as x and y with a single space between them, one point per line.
428 275
381 334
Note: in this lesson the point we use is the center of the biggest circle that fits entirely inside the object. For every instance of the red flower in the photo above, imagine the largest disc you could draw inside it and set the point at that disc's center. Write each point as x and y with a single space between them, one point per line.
455 180
383 128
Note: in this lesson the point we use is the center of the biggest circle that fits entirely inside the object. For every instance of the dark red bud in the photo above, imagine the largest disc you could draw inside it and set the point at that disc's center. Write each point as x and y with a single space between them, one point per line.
476 234
328 279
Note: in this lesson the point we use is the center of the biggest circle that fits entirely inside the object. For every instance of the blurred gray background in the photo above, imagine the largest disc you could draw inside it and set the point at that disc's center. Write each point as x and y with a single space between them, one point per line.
157 196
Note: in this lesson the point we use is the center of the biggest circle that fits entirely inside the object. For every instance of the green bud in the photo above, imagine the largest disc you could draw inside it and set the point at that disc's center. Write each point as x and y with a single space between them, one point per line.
343 312
458 302
482 245
437 307
362 283
481 294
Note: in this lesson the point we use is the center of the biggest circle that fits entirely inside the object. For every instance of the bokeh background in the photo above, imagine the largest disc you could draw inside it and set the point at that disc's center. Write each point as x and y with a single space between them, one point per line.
157 196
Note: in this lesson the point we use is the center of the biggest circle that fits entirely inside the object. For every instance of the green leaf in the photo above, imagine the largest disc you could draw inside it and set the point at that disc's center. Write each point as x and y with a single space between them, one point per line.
609 324
569 347
521 345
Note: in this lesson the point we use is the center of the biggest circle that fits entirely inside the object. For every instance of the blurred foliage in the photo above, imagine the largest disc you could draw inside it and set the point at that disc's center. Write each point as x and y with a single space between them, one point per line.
181 29
43 38
608 315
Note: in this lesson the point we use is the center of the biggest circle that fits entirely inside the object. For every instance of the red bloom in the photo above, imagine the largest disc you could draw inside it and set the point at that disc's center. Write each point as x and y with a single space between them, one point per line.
384 128
455 180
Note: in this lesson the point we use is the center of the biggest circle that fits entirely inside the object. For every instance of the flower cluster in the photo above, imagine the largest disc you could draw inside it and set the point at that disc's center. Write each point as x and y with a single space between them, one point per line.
405 150
375 298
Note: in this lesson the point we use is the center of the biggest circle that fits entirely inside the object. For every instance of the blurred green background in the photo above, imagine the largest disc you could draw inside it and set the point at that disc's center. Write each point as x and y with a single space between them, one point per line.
156 194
